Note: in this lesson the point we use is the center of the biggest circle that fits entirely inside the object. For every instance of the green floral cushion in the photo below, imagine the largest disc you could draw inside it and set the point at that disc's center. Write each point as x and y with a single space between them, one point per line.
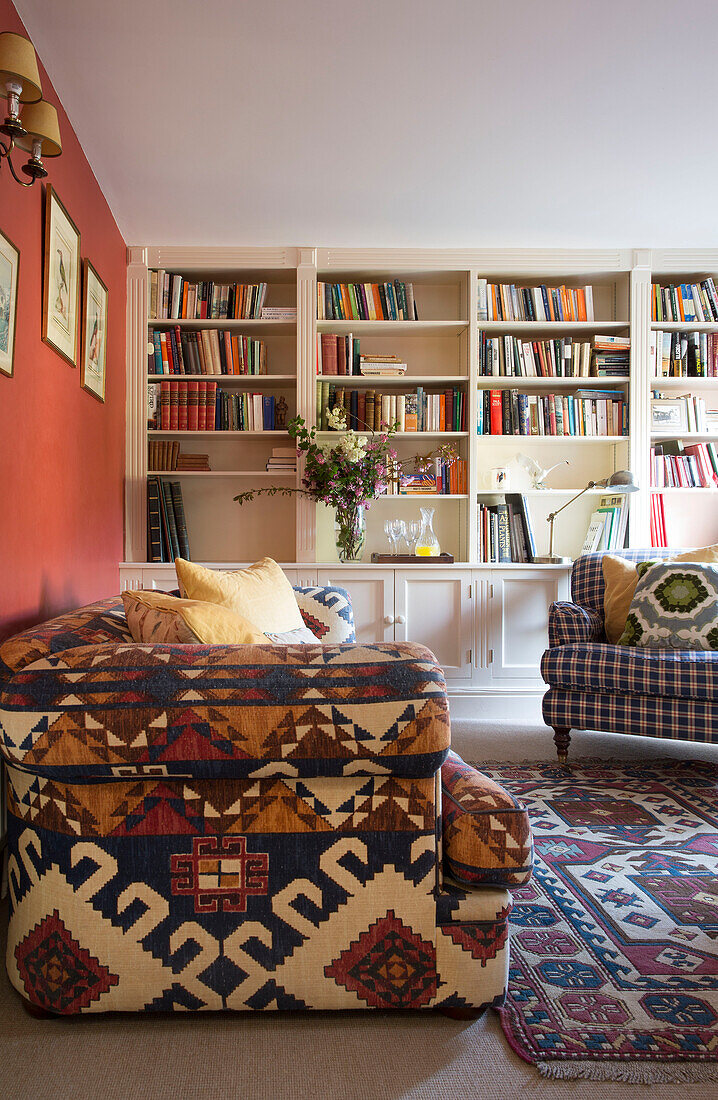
675 606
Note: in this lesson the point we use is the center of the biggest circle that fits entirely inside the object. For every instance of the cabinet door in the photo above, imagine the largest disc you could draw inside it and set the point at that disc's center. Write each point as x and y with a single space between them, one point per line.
432 606
519 601
372 596
160 578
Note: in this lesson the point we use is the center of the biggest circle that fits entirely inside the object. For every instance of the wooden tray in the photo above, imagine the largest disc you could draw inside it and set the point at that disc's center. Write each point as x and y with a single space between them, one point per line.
411 559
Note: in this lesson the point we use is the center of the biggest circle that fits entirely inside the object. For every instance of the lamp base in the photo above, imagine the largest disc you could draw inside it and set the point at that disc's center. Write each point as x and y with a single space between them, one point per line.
552 560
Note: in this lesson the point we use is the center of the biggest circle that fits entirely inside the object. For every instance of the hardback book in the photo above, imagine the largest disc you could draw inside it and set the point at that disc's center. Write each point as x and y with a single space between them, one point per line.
594 533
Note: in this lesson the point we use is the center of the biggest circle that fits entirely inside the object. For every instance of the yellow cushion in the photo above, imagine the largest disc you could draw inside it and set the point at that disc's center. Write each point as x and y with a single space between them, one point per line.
156 617
620 577
261 594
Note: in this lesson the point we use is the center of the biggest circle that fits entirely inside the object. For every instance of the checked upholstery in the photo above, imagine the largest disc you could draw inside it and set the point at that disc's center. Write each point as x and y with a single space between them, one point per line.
200 827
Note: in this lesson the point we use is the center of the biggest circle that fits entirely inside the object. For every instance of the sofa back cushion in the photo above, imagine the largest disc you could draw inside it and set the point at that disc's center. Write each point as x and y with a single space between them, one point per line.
587 582
94 624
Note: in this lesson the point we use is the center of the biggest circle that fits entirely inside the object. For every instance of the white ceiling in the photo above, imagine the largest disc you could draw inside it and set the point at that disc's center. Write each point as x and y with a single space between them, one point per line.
394 122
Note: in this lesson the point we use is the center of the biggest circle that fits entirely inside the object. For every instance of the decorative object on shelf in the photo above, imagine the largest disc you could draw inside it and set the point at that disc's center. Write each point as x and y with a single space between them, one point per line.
9 268
61 283
499 479
94 333
668 415
280 414
622 481
36 130
345 475
413 530
427 545
350 532
537 473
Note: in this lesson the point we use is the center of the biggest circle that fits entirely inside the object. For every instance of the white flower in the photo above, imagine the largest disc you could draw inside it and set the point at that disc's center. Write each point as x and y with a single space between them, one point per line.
353 447
337 419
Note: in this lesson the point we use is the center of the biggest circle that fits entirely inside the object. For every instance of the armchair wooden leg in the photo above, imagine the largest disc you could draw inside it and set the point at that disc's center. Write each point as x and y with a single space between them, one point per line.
562 739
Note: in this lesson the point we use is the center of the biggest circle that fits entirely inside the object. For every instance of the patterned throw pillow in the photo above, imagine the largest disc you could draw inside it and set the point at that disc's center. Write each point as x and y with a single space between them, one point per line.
155 617
675 606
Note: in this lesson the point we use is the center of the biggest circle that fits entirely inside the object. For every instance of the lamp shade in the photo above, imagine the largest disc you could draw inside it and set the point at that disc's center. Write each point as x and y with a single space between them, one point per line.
39 120
622 481
18 64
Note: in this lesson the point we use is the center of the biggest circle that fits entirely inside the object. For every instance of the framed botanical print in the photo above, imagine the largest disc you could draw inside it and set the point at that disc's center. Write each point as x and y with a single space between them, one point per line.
9 268
94 332
61 286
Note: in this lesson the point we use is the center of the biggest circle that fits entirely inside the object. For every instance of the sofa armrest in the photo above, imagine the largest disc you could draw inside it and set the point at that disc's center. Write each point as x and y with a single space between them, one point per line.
569 622
486 831
211 711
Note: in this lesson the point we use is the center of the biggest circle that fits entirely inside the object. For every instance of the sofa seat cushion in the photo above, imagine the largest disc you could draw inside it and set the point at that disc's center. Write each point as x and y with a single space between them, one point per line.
238 711
486 831
624 670
94 624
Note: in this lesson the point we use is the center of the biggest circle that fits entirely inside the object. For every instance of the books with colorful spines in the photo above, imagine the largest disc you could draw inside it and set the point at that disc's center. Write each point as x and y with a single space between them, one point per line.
179 519
414 484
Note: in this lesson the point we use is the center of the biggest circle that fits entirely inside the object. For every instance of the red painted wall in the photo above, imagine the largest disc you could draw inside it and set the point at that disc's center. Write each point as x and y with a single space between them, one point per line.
61 451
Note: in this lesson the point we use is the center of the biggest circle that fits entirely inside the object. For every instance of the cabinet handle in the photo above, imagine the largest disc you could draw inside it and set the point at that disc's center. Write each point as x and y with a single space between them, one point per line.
389 620
401 619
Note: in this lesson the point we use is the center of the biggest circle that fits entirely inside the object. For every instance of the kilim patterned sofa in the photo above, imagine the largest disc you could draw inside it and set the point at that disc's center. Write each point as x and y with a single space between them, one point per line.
246 827
621 689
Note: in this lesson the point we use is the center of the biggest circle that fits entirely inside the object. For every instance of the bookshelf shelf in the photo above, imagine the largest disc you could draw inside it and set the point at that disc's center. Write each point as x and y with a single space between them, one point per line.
223 473
688 383
556 328
675 489
522 382
158 433
253 323
229 380
696 436
525 440
416 329
404 435
684 326
410 380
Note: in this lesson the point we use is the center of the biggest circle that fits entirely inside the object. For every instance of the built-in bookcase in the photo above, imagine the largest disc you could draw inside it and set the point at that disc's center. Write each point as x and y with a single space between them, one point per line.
691 514
441 349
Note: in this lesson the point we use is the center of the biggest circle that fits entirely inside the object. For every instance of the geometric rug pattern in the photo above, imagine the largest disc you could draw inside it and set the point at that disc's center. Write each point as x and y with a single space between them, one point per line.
614 943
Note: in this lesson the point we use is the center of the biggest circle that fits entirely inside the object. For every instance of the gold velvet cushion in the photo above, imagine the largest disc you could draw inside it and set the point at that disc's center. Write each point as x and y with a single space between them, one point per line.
157 617
620 577
261 594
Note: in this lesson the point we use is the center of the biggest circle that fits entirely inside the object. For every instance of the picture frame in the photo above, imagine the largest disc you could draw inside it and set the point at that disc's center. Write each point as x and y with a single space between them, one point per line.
93 358
61 280
9 273
668 415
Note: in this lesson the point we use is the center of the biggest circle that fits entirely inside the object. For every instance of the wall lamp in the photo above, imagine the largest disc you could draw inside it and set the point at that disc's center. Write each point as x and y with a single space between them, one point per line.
36 131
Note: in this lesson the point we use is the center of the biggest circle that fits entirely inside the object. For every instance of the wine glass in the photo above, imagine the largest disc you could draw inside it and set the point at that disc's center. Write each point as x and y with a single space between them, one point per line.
412 535
389 532
400 532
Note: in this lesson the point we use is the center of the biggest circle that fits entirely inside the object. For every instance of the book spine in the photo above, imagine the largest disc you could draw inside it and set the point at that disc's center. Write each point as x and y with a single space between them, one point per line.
180 520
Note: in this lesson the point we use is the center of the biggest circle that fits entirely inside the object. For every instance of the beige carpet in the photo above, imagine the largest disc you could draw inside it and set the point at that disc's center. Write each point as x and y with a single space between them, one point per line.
328 1056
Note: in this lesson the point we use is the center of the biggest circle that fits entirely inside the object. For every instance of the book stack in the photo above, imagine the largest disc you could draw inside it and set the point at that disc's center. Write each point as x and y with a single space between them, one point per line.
675 465
206 351
381 366
172 296
684 302
337 354
166 526
684 354
611 356
502 356
587 412
390 301
370 410
283 460
506 302
192 463
695 413
186 406
446 479
607 525
505 531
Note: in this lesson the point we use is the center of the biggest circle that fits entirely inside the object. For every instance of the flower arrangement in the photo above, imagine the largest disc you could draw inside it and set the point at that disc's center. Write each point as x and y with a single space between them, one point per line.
346 475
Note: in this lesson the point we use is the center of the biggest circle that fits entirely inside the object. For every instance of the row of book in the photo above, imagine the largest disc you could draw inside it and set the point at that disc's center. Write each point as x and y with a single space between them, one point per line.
677 465
178 405
690 409
390 301
658 521
446 478
337 354
165 454
684 354
506 302
505 531
602 357
167 537
206 351
685 301
587 412
607 525
372 411
173 296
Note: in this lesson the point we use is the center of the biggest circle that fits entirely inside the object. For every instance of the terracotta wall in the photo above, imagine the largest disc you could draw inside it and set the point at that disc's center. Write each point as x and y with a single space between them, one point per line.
61 451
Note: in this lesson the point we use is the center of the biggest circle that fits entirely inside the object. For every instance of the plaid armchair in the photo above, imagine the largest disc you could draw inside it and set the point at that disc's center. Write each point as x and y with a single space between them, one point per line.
621 689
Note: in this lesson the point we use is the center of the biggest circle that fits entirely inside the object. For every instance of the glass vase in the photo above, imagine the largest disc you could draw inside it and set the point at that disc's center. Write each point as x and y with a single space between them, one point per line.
427 545
350 532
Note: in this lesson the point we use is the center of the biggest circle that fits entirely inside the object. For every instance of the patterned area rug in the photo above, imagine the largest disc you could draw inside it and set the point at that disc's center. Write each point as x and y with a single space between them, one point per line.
614 943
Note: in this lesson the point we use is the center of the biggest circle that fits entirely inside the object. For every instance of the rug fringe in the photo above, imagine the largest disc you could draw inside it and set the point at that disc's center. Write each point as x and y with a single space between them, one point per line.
633 1073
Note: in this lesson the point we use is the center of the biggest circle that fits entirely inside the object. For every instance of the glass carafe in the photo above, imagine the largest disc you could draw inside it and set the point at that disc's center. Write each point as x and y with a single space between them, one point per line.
427 545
